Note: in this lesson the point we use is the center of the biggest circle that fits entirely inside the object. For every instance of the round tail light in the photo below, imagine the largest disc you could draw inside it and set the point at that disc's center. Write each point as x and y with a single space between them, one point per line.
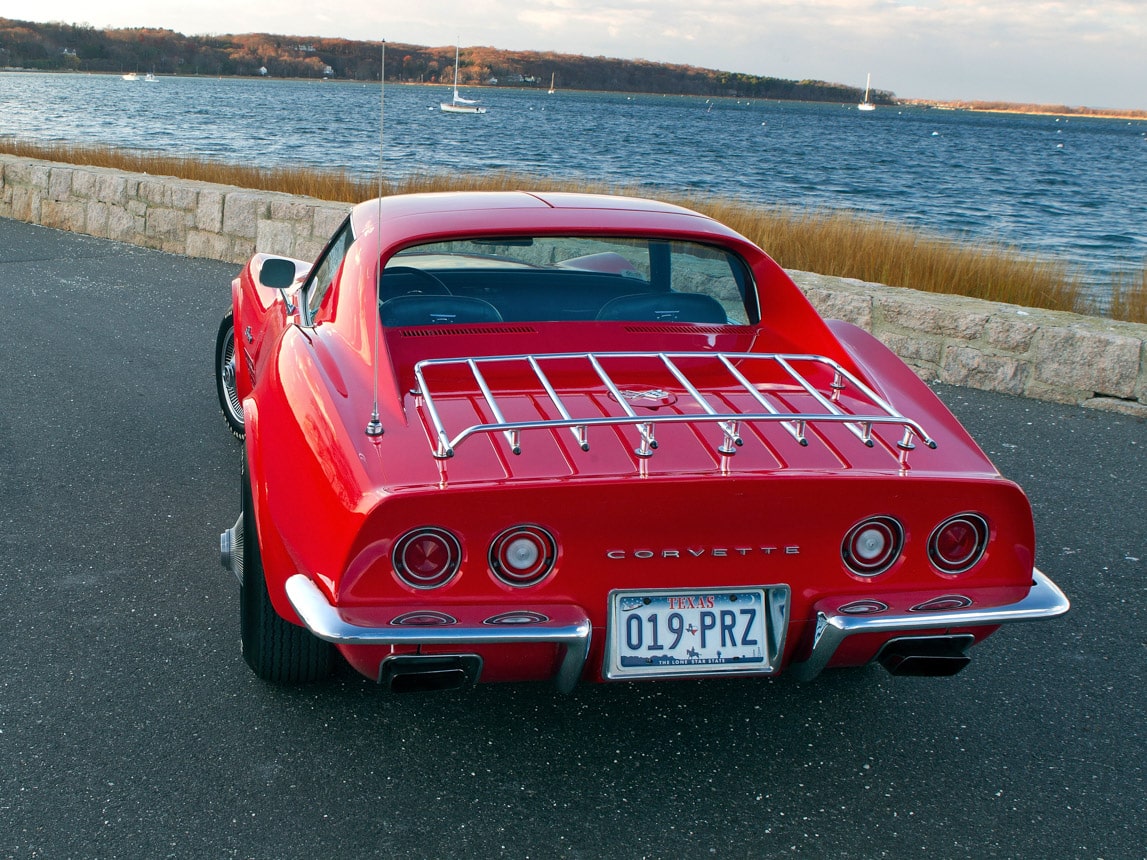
871 546
523 555
426 557
958 543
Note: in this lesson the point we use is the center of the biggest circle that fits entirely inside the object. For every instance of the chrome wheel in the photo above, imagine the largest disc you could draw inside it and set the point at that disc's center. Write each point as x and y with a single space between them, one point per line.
226 373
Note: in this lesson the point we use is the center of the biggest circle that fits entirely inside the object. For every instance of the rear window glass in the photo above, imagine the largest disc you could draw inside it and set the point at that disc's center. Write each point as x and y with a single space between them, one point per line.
579 278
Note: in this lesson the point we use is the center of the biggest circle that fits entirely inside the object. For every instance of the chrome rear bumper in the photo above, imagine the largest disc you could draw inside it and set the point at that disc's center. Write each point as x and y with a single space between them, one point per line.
569 626
1045 600
564 625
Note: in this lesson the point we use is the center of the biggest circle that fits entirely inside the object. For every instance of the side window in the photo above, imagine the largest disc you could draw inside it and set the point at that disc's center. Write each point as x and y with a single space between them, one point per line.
329 262
716 273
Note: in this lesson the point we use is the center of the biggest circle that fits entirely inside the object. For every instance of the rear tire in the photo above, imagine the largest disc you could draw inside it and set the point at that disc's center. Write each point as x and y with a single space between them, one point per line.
226 367
274 648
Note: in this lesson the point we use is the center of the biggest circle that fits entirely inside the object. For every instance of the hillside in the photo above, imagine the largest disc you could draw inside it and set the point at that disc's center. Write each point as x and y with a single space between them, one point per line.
79 48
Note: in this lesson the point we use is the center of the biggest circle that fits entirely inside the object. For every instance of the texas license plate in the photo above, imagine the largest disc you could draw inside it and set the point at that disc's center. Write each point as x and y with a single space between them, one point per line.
714 631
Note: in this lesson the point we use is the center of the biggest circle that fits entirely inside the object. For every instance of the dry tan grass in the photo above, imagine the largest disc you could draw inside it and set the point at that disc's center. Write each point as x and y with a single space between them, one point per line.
1129 298
830 243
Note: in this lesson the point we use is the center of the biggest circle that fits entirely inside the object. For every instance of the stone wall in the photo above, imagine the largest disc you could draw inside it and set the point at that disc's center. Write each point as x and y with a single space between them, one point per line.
195 219
1047 355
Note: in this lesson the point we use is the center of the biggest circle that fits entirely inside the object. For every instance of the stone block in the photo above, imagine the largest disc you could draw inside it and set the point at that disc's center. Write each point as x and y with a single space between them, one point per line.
1114 404
276 237
184 196
97 219
328 217
60 183
1010 332
916 350
155 192
29 173
975 369
123 226
166 224
241 213
1082 358
112 188
210 245
291 209
924 312
84 184
209 211
63 215
26 204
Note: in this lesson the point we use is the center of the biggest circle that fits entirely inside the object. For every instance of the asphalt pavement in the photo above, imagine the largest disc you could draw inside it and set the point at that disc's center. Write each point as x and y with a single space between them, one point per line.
130 726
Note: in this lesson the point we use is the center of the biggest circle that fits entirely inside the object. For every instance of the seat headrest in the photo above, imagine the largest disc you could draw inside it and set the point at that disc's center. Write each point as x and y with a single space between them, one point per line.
665 307
416 310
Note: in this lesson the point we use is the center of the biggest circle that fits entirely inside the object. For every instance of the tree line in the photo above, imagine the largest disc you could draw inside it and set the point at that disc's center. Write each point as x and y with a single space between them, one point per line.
82 48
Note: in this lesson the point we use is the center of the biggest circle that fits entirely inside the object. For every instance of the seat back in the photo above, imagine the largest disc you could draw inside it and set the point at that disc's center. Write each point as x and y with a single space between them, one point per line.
418 310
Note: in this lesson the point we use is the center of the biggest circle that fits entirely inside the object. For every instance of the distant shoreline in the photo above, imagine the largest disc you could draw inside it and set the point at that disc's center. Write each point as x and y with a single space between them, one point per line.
1032 109
1080 112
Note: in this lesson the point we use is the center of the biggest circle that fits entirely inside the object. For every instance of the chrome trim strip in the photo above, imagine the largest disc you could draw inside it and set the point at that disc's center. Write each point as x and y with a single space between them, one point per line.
568 626
1045 600
860 424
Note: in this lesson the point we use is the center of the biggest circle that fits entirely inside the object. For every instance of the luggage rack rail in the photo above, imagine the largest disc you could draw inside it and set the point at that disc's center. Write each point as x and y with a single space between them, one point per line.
771 409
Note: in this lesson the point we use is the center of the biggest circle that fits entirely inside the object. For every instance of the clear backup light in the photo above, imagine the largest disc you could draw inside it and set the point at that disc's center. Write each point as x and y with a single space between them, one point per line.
871 546
958 543
523 555
426 557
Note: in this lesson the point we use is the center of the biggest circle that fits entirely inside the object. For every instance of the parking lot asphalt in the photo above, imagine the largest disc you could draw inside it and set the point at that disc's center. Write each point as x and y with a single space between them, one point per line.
130 727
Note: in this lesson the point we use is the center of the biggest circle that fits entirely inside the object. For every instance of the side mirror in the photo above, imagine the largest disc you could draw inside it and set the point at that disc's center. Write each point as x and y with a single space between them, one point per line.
277 273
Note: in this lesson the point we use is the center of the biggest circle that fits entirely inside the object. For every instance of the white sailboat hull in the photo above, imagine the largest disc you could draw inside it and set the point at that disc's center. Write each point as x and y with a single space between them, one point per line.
450 107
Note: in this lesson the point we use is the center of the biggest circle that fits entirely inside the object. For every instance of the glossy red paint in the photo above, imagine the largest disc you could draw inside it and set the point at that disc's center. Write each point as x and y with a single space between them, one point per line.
329 501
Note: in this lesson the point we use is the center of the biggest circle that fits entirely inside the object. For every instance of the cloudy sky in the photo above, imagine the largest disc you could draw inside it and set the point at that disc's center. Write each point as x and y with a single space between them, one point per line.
1084 52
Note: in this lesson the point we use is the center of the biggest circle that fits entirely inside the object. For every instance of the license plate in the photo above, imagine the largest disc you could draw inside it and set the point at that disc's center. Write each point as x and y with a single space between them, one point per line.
713 631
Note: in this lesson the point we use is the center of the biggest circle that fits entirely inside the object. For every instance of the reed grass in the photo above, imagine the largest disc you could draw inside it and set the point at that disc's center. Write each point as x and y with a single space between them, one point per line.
843 244
1129 297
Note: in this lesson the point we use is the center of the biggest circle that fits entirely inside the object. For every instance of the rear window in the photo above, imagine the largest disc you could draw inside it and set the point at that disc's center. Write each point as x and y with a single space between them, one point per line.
578 278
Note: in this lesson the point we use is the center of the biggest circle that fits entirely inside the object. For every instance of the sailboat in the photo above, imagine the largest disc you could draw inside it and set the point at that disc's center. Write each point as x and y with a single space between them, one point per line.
459 104
866 104
552 82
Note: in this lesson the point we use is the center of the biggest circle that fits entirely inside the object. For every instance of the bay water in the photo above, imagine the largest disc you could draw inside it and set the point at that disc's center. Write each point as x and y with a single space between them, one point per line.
1074 188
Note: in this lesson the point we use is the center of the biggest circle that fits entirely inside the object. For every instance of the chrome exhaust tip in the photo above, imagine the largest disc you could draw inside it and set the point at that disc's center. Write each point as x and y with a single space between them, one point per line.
429 673
926 656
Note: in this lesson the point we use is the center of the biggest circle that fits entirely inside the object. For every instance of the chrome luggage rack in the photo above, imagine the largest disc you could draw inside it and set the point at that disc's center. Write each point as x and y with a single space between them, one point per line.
772 410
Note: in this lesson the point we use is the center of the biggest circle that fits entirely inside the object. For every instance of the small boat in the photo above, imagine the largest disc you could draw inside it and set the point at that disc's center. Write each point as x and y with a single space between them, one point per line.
131 76
552 82
150 78
459 104
866 104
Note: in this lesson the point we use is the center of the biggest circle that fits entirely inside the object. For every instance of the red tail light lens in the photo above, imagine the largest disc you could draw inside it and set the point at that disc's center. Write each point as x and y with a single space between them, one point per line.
871 546
426 557
957 544
523 555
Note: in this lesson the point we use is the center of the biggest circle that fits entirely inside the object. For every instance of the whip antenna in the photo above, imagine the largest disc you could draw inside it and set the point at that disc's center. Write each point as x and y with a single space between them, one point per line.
374 426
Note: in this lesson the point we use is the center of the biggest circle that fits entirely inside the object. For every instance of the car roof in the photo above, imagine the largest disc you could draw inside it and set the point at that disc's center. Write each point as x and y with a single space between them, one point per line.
433 215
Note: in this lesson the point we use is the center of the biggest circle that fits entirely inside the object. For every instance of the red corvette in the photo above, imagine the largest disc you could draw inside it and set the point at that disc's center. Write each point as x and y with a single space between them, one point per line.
500 437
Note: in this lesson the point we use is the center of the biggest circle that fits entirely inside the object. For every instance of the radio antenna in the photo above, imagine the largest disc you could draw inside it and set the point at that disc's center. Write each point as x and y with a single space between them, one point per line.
374 426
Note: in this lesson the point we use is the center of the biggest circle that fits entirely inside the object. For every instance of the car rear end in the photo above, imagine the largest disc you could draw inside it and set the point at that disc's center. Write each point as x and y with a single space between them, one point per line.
631 516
